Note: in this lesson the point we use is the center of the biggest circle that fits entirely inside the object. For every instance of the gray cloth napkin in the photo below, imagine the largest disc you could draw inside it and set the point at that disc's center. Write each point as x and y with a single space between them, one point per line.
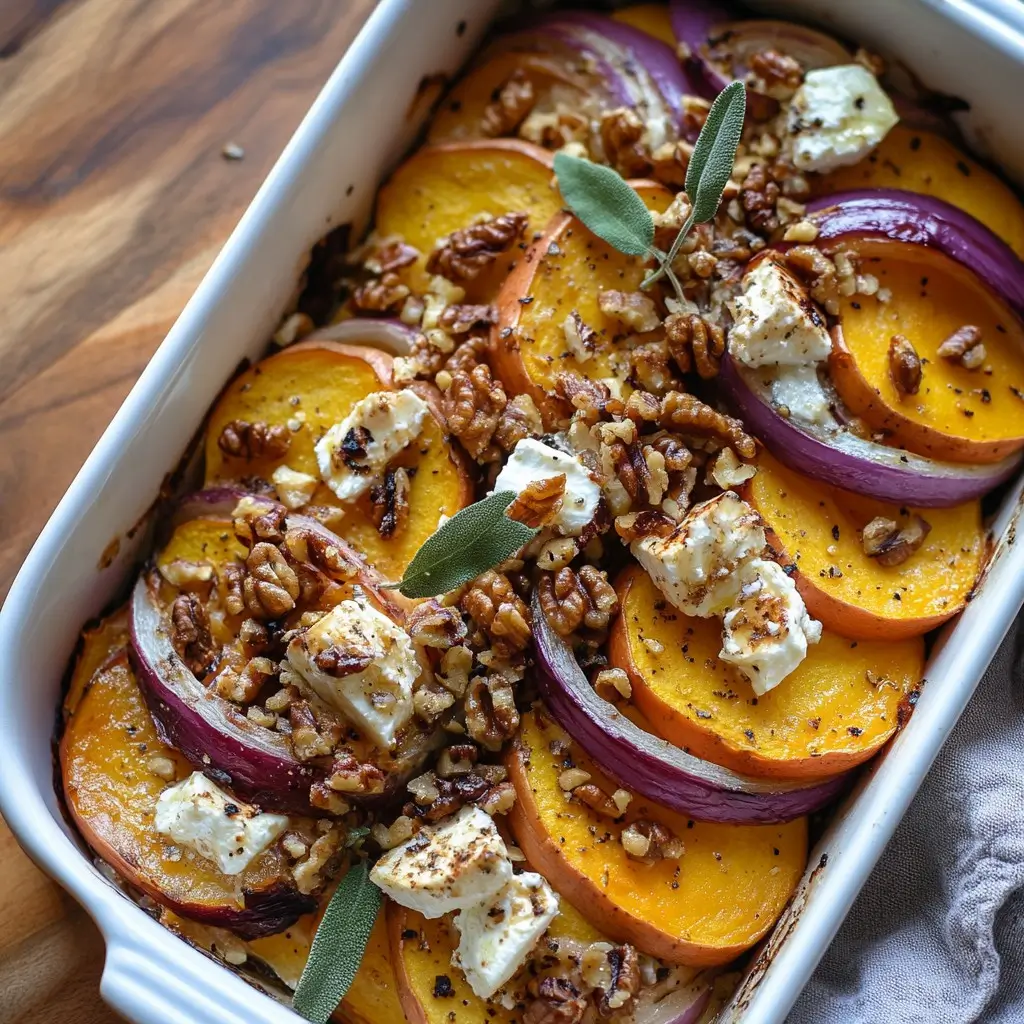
937 934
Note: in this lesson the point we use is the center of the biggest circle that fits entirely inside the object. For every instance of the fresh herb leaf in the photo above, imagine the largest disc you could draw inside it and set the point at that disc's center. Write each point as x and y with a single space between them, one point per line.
606 204
715 152
356 835
338 946
475 539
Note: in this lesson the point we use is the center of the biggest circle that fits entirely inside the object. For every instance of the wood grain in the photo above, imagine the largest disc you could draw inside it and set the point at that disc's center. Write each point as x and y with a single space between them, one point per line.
114 199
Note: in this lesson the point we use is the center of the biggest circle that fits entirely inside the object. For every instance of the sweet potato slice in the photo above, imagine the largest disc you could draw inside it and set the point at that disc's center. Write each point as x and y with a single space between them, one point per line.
308 388
924 162
441 189
831 714
653 19
957 414
704 908
110 756
817 529
563 273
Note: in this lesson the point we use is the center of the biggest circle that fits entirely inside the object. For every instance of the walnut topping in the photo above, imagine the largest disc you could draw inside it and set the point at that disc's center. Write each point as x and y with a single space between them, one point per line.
885 542
622 134
632 309
234 576
558 1001
964 346
816 270
690 416
461 318
759 195
612 683
308 546
349 775
243 687
307 741
539 502
312 872
491 715
695 342
648 523
775 74
581 339
338 661
433 625
271 586
651 368
466 253
190 634
571 600
390 501
186 575
472 406
518 420
592 796
623 982
384 294
388 837
590 397
391 255
430 702
507 112
499 611
244 440
650 841
256 519
904 365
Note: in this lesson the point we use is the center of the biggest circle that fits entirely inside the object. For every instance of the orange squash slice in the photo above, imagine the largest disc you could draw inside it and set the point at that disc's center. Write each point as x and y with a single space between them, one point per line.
650 18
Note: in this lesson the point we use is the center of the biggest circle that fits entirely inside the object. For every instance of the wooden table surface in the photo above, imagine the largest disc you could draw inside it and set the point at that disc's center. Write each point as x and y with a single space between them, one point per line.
115 196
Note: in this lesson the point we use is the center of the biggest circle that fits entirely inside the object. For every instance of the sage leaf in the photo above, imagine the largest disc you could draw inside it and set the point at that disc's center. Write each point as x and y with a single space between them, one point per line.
606 204
475 539
338 946
715 152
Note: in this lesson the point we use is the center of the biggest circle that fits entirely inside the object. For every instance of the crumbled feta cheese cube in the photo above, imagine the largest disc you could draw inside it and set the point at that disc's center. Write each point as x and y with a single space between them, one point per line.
354 453
837 117
775 320
766 633
497 936
459 863
798 390
356 659
533 460
695 565
198 814
294 489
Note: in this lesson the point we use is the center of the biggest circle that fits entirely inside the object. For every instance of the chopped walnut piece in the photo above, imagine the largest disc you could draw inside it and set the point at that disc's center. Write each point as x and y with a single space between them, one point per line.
633 309
270 586
539 502
243 687
434 625
388 837
572 599
695 342
307 742
592 796
964 346
557 1001
455 793
622 134
384 294
518 420
728 472
885 542
256 519
311 873
390 256
507 112
651 368
233 576
650 841
759 195
612 683
431 702
348 775
466 253
491 715
190 634
775 74
624 981
390 501
461 318
904 365
819 272
309 546
669 163
453 673
590 397
244 440
581 339
690 416
472 406
648 523
499 611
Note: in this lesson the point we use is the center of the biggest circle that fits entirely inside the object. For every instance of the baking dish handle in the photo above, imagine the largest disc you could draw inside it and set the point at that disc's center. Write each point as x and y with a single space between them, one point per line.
137 983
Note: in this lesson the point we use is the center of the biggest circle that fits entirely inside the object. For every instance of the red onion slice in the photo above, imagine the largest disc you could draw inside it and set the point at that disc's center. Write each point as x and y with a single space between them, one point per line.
391 335
830 452
653 767
921 220
682 1005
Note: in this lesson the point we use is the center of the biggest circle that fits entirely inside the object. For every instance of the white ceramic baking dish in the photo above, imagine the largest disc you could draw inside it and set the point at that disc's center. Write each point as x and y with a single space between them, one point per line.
365 117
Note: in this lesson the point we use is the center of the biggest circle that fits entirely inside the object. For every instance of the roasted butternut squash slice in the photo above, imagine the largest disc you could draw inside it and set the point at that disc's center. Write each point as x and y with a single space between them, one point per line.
650 18
817 529
704 908
831 714
563 273
308 388
441 189
958 414
114 767
924 162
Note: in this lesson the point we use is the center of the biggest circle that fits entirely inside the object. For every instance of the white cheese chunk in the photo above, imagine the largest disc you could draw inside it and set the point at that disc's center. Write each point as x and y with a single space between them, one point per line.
198 814
356 659
354 453
459 863
775 321
294 489
532 460
837 117
766 633
798 390
695 565
497 936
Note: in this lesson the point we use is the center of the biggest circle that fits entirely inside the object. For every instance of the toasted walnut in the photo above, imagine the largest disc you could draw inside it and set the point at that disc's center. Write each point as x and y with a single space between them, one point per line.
315 549
233 576
340 660
431 701
349 775
775 74
885 542
572 599
243 687
694 341
507 112
632 309
312 872
648 523
455 793
458 759
623 983
190 634
388 837
499 611
461 318
391 255
558 1001
307 742
323 798
491 715
384 294
819 272
651 368
390 500
964 346
453 673
466 253
186 575
293 328
434 625
728 472
580 338
472 406
627 463
650 841
690 416
539 502
758 196
590 397
904 365
591 795
258 440
622 134
518 420
256 520
613 683
270 586
669 163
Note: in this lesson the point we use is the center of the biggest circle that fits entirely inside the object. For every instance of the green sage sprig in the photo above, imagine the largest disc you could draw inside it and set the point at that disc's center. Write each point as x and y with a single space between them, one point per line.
610 208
